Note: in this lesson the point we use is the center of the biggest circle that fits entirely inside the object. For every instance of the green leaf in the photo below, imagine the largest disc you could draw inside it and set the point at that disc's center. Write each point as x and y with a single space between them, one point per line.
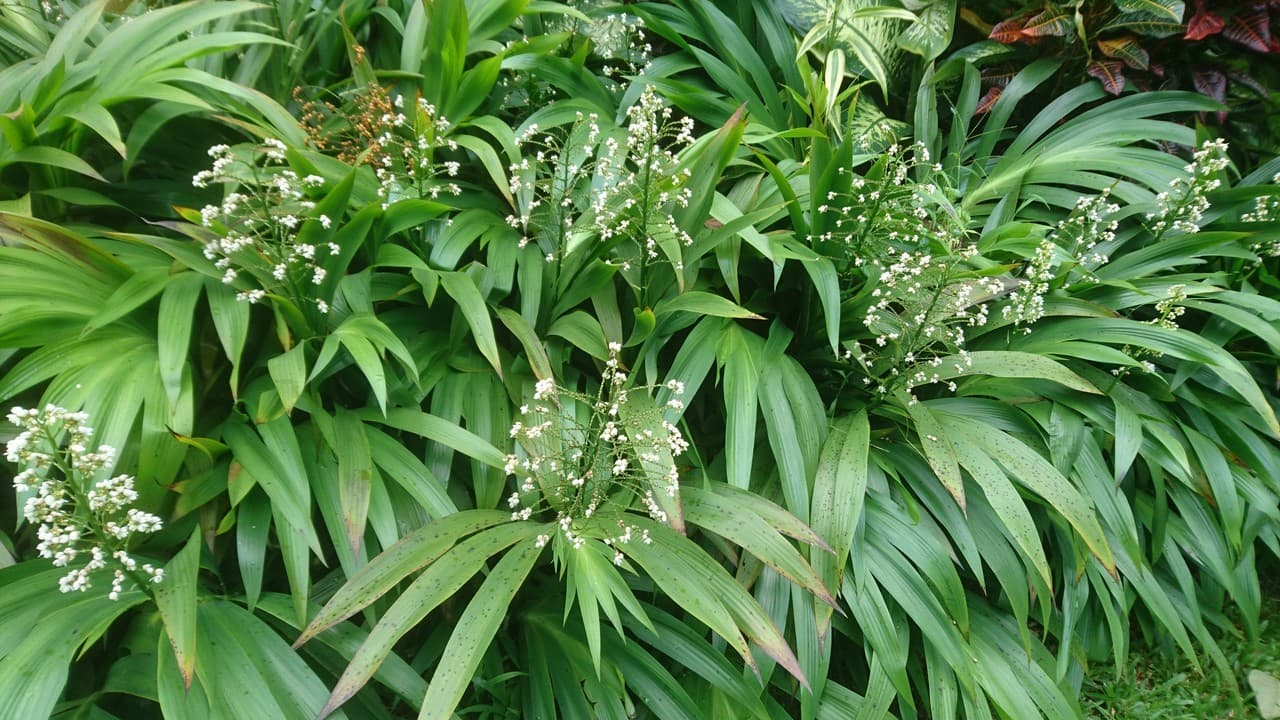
54 157
253 524
176 600
1007 364
1038 475
289 373
276 470
739 353
475 630
534 351
410 554
937 448
129 296
723 517
839 491
1170 9
703 303
583 332
442 431
173 331
355 475
1145 23
442 579
462 288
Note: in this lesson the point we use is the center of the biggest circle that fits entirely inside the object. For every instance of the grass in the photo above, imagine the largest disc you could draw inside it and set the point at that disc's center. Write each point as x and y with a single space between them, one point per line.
1160 685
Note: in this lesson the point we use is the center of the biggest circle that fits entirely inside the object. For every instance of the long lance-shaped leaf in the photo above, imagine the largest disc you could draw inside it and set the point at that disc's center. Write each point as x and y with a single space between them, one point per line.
397 562
462 288
743 610
1176 343
439 582
1007 503
839 489
937 449
1041 477
640 414
1007 364
176 600
284 482
442 431
774 515
475 630
736 524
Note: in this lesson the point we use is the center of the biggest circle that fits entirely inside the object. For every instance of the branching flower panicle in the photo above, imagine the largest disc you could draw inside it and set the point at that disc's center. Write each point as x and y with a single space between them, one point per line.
1181 208
1071 247
591 458
641 184
1266 209
74 515
257 223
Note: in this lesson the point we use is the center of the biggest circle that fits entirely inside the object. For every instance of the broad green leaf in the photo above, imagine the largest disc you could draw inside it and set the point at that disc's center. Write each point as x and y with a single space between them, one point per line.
1168 9
277 472
289 373
721 516
462 288
703 303
355 475
475 630
1007 504
410 554
173 336
176 600
446 433
839 490
54 157
534 351
129 296
442 579
253 524
583 331
1040 476
938 448
739 354
1006 364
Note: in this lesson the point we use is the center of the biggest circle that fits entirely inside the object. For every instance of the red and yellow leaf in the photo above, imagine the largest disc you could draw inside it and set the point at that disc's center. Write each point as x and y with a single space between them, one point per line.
1109 73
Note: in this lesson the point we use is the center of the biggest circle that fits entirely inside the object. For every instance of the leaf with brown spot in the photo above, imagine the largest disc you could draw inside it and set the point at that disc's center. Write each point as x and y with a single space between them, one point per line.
1109 73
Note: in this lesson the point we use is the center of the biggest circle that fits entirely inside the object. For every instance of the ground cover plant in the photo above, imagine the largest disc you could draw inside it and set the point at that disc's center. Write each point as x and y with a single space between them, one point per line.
675 360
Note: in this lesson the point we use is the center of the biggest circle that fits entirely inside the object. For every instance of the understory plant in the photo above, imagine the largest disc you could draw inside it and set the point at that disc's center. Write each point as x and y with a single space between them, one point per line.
568 360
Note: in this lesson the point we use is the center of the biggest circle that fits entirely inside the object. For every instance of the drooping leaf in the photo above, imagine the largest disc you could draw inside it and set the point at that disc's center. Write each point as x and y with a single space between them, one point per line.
176 600
475 631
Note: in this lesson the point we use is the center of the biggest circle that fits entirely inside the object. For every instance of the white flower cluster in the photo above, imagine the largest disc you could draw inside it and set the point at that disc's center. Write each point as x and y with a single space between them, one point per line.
1181 208
256 225
1266 209
641 183
1170 308
921 308
75 516
405 162
1077 238
884 208
623 192
590 460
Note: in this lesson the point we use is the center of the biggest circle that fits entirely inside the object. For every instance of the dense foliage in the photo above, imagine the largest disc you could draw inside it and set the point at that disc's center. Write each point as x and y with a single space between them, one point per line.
678 360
